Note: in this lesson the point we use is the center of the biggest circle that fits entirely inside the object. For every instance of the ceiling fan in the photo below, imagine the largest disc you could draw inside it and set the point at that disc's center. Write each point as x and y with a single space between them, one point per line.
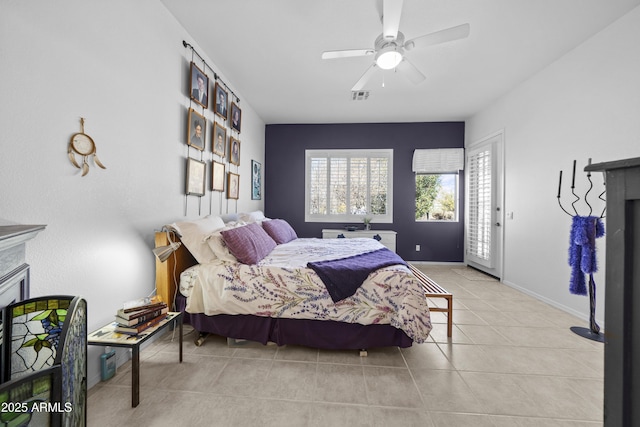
390 46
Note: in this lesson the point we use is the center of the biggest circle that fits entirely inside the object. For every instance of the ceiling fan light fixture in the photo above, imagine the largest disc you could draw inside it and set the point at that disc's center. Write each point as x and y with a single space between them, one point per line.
389 57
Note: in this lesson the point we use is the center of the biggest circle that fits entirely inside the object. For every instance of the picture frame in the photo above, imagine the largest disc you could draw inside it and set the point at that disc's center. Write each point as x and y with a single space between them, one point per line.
234 151
233 185
219 139
217 176
196 130
236 117
221 101
256 180
195 177
199 86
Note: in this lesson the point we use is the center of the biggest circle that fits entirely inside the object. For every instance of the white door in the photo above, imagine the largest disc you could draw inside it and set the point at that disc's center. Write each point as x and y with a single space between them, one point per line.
484 217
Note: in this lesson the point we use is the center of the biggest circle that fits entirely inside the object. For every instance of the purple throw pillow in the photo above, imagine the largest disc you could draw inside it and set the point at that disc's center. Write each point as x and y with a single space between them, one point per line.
279 230
249 244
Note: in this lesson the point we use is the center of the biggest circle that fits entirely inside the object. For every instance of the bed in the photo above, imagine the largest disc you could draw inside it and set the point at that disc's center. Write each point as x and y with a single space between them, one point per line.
282 295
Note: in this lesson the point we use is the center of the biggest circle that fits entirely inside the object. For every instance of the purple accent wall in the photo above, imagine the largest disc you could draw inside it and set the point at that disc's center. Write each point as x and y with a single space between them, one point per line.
284 180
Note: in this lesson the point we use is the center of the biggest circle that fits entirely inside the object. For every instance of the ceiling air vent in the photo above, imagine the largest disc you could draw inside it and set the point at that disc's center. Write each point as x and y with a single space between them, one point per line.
359 95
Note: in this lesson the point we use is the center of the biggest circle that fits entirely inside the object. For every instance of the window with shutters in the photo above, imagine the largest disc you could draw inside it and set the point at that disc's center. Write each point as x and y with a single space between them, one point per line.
349 185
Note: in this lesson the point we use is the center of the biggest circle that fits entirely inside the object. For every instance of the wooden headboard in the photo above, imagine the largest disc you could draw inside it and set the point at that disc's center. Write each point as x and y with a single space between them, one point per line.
168 272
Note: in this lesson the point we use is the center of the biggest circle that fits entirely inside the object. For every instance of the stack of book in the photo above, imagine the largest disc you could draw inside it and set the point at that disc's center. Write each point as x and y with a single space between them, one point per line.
134 320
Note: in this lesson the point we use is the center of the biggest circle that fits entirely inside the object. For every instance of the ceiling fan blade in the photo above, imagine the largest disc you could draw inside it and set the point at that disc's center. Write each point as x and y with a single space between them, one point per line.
334 54
391 11
442 36
410 71
365 78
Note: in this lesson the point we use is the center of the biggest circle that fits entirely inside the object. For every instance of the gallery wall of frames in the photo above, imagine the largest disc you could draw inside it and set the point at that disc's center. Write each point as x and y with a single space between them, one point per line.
212 135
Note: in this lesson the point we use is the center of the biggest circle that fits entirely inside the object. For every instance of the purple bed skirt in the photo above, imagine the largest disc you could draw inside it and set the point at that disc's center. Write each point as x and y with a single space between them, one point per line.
322 334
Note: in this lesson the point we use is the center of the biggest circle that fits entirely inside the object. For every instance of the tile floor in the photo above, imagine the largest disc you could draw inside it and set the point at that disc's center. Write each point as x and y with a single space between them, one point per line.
512 361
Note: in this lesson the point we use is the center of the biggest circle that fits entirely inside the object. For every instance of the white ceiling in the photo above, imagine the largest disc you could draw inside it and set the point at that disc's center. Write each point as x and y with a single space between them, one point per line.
269 52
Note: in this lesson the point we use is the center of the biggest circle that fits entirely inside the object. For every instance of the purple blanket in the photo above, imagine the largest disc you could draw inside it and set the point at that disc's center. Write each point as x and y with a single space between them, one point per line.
343 276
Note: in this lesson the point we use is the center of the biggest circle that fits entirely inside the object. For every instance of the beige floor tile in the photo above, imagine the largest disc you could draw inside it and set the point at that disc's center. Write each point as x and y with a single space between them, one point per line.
506 421
340 384
195 373
325 414
439 334
384 357
397 417
481 334
289 381
242 377
342 357
301 354
391 387
512 361
534 395
544 337
454 419
495 318
427 356
475 304
446 391
468 317
465 357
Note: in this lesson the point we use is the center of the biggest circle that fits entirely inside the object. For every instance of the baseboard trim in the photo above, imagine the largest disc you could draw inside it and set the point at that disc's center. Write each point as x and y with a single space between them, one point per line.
566 309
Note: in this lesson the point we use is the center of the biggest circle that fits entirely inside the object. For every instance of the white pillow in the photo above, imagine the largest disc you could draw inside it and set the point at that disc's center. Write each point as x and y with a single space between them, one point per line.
193 235
230 217
255 216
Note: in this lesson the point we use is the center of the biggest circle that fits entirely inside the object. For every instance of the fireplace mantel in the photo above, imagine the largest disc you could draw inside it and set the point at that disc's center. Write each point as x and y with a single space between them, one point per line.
14 271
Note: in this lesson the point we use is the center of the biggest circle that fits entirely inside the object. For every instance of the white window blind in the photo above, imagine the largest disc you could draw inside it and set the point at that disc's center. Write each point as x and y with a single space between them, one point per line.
348 185
439 160
479 176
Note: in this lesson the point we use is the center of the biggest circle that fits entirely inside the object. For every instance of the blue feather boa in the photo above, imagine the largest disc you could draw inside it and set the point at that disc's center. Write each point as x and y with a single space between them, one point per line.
582 250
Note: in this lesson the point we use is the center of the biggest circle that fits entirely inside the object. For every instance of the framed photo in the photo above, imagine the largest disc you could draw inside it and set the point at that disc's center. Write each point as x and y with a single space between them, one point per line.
196 130
256 180
219 136
236 117
233 185
217 176
195 177
199 87
234 151
222 101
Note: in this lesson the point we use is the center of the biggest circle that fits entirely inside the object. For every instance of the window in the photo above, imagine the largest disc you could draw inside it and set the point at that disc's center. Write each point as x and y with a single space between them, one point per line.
436 197
349 185
437 183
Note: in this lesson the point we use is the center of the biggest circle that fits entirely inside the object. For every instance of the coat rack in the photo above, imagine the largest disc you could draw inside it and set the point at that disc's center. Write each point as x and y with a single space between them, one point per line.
584 231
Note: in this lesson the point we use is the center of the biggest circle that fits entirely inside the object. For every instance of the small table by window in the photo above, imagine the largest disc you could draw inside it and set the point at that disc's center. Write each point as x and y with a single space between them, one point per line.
106 336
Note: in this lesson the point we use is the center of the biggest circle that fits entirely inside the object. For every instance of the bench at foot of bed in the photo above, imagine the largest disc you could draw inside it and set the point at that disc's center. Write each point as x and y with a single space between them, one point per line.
433 290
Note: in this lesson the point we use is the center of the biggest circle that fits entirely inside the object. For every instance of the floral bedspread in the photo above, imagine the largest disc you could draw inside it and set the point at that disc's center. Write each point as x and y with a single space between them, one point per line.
282 286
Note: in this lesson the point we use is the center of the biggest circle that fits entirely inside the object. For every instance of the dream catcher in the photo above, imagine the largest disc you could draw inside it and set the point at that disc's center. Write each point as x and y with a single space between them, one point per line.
83 144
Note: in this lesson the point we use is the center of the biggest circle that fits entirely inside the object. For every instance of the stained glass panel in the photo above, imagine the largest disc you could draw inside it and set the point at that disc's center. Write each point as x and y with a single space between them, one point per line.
28 400
35 327
73 358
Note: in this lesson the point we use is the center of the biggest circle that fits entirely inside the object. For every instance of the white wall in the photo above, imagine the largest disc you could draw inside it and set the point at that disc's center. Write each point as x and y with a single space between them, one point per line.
122 66
585 105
